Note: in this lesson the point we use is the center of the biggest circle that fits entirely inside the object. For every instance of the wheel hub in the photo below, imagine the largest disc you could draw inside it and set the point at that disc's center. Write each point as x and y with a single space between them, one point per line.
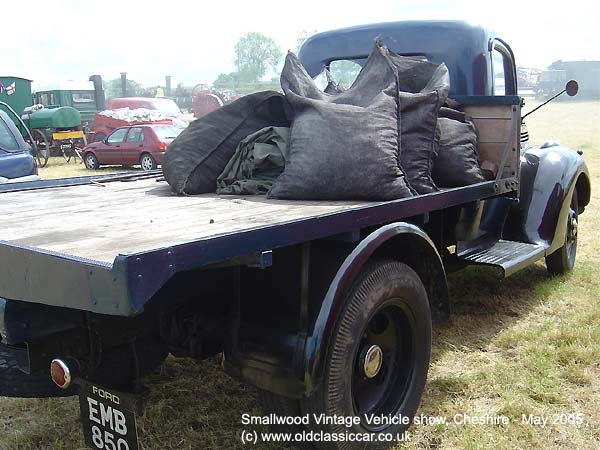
372 361
573 225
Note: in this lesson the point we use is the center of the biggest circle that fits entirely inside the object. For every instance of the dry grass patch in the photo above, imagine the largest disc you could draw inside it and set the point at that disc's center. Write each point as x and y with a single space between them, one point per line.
58 167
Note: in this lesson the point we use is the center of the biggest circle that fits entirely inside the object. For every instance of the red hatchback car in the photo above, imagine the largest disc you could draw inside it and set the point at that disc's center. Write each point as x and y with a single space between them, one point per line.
138 144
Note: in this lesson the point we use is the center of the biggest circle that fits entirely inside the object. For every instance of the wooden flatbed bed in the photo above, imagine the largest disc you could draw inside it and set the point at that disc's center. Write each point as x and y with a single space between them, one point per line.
107 245
101 221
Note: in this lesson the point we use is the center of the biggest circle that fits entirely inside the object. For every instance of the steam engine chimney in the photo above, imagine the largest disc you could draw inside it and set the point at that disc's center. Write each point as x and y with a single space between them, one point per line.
98 92
168 85
123 84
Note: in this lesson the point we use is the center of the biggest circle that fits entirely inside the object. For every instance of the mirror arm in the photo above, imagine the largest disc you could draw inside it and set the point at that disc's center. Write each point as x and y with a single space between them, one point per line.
547 101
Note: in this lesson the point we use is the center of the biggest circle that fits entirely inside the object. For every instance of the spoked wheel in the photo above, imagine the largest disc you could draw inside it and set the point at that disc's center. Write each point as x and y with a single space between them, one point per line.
72 151
78 147
43 148
563 259
377 362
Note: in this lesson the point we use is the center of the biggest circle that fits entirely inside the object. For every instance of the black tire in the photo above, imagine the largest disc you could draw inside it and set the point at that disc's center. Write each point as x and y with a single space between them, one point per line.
91 161
147 162
563 259
43 148
14 383
387 310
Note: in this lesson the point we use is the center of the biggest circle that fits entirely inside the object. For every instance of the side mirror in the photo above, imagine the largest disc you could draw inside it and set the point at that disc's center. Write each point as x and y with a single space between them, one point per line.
572 88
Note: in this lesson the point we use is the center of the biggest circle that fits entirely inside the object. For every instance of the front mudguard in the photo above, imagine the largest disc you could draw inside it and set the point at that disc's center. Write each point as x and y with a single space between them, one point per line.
549 175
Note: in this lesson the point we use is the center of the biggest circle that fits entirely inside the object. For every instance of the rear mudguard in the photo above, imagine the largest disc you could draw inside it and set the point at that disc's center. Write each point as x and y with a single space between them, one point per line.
402 241
549 175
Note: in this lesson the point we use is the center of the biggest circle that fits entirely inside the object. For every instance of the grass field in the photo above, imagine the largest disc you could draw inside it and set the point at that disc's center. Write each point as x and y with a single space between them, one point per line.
527 345
58 167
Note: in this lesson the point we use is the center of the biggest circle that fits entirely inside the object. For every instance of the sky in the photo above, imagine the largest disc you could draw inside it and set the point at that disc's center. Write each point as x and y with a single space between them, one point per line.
59 40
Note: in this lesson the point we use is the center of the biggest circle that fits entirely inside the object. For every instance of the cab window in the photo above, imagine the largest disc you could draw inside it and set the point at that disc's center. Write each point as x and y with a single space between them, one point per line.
46 99
117 136
344 71
499 75
503 71
135 135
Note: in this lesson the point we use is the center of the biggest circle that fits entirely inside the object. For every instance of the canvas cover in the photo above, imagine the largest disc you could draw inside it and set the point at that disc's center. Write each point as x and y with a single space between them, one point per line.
258 161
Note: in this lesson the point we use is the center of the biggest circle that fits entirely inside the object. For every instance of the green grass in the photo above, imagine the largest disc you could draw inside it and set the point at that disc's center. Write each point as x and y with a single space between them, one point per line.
527 345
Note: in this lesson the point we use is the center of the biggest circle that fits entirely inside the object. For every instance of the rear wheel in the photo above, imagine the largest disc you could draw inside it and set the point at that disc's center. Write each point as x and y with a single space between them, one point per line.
147 162
43 148
91 161
378 357
563 259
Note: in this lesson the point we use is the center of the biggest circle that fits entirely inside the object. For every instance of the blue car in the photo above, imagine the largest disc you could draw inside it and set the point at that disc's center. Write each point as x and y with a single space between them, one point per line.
16 161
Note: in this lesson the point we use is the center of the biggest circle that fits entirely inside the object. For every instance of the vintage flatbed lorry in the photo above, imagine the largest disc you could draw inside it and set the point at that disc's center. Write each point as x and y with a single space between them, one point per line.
325 307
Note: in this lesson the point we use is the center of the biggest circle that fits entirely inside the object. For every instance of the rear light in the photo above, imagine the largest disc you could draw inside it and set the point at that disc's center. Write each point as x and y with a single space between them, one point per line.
60 373
162 147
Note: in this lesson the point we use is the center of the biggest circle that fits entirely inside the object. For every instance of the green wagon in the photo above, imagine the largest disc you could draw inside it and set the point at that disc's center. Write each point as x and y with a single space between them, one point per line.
56 130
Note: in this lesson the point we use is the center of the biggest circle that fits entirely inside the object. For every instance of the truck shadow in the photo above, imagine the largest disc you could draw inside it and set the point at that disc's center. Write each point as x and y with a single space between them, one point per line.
482 306
488 303
200 399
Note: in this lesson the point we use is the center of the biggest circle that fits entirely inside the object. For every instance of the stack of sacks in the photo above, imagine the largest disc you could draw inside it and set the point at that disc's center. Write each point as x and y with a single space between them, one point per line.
456 162
374 141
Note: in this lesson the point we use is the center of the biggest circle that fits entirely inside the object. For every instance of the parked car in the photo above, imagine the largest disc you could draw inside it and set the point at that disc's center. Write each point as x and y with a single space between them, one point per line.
99 129
139 144
16 160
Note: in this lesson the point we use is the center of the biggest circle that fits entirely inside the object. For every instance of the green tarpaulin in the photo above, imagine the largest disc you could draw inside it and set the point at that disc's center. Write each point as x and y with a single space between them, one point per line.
258 160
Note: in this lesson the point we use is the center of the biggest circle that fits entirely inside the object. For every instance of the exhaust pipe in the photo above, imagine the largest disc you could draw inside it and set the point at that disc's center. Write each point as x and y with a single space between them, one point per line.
98 92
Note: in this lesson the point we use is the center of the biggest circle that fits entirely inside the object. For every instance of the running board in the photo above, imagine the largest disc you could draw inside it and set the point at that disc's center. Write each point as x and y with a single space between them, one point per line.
509 256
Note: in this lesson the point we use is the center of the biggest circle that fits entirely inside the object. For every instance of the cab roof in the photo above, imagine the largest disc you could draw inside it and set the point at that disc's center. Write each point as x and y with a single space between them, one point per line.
458 44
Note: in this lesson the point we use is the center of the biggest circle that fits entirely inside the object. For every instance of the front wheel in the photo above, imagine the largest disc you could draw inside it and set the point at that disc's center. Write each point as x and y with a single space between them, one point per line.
147 162
91 161
378 358
563 259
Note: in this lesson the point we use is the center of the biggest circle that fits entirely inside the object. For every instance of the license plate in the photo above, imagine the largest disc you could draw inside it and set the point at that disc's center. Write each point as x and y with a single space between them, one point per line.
108 418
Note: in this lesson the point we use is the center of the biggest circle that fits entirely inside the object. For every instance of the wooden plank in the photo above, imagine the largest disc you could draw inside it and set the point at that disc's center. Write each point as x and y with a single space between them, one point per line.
99 223
493 130
489 111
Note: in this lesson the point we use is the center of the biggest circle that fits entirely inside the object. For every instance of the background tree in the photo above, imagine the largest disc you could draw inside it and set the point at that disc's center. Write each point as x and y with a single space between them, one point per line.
255 53
303 36
113 88
226 81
